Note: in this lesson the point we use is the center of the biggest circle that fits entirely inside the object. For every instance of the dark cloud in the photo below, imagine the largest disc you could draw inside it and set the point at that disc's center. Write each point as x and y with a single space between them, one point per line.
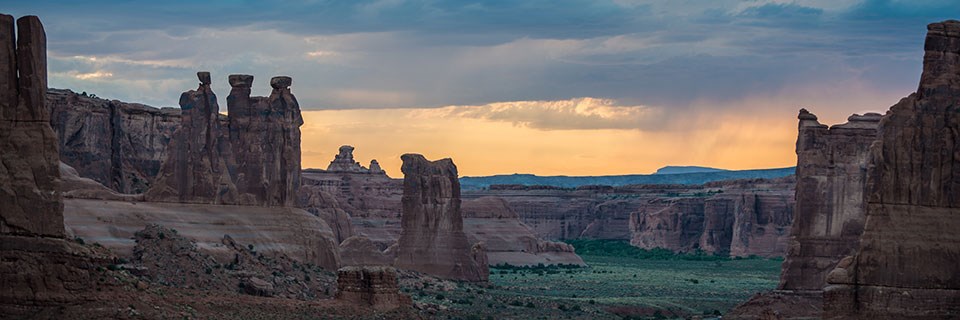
420 53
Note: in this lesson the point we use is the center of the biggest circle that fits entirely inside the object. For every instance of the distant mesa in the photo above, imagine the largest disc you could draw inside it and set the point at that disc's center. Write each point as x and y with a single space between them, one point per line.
687 169
343 162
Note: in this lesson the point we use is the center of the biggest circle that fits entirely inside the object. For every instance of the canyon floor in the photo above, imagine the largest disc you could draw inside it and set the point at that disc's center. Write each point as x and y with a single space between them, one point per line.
613 286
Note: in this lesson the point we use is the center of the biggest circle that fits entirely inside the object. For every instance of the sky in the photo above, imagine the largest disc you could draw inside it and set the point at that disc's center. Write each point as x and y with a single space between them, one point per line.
558 87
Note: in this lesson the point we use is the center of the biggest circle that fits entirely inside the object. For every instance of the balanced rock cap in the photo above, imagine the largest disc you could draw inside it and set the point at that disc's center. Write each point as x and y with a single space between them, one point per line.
240 80
204 77
281 82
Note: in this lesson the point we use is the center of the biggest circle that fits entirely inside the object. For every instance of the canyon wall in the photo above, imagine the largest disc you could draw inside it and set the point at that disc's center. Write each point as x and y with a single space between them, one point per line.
907 265
432 240
117 144
739 217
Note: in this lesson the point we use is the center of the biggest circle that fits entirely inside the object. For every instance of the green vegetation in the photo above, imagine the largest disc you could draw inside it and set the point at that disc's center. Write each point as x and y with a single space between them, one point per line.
621 282
622 249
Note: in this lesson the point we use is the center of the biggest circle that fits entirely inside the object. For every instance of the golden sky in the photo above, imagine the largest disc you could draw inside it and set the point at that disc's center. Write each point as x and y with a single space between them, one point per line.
584 136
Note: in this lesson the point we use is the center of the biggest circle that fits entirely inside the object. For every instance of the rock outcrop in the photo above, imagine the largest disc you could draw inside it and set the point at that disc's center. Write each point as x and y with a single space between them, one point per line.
375 287
251 157
432 240
196 167
120 145
265 138
30 199
343 162
360 251
908 261
829 215
831 176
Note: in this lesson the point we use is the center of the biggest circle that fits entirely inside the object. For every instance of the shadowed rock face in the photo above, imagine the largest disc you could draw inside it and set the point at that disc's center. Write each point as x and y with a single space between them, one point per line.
120 145
30 200
432 240
908 262
265 139
831 176
196 167
253 160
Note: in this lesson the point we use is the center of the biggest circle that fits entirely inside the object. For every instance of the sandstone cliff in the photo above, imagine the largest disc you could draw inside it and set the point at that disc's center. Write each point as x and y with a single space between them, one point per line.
831 171
30 199
830 205
432 240
908 261
118 144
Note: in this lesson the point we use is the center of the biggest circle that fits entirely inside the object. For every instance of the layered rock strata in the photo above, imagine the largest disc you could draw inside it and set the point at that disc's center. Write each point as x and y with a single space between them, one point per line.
375 287
253 160
908 260
30 199
432 240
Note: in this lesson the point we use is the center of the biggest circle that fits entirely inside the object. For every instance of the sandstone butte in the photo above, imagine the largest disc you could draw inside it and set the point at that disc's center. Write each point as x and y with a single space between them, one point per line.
878 207
432 240
908 260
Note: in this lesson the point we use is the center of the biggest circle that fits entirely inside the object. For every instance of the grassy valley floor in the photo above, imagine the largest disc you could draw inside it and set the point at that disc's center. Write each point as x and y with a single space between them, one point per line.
620 283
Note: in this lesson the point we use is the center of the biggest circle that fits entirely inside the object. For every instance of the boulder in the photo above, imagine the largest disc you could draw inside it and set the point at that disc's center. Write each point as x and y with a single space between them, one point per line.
374 287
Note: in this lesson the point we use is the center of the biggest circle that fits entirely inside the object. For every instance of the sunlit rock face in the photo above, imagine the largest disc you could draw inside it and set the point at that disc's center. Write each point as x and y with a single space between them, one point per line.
908 260
432 240
30 199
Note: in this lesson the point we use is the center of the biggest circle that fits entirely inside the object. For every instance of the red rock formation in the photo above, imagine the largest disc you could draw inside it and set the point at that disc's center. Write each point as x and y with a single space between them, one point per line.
376 287
432 240
831 175
120 145
30 199
908 260
343 162
265 139
196 167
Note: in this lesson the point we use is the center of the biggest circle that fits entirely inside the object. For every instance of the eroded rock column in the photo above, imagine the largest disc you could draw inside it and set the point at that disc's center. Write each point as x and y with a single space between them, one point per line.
195 169
30 200
432 240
